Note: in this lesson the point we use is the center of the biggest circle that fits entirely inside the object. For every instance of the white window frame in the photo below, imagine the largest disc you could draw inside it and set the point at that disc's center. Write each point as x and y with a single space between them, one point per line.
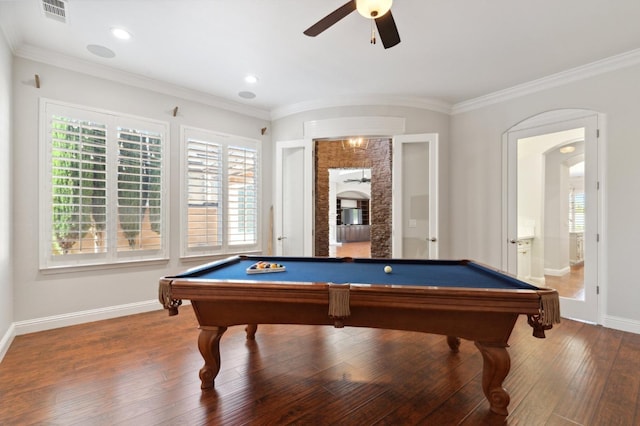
225 141
112 120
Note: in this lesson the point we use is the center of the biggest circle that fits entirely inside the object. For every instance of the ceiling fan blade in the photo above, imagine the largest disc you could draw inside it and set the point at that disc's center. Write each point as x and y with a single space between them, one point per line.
331 19
388 30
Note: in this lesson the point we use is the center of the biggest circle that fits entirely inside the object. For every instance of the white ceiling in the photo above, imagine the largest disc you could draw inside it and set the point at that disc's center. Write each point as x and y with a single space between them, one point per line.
452 51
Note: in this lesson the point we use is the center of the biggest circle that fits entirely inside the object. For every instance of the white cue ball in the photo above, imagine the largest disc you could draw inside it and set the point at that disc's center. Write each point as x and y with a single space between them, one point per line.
387 269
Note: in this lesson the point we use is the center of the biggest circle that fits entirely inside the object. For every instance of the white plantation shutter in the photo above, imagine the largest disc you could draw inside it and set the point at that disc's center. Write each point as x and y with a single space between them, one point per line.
78 186
139 188
204 194
242 212
102 187
576 211
220 193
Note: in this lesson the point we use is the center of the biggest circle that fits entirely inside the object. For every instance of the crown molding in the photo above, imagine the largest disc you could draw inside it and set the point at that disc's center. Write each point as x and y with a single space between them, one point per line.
603 66
136 80
582 72
361 100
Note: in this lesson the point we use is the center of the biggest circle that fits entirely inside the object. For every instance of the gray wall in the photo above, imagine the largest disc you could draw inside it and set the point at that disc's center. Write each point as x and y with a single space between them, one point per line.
44 294
6 279
475 154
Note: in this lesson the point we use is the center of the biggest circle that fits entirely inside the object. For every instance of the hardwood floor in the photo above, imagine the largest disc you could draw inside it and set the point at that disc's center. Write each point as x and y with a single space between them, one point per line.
569 285
143 370
357 249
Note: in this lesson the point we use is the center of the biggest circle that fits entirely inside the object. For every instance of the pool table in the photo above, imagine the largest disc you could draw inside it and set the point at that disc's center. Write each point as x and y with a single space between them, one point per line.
454 298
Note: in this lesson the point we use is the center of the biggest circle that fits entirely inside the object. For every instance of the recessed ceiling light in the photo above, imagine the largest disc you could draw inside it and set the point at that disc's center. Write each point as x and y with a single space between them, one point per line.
120 33
251 79
567 149
247 95
103 52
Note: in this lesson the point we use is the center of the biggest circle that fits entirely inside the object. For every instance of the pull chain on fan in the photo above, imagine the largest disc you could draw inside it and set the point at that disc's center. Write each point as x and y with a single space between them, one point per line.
373 34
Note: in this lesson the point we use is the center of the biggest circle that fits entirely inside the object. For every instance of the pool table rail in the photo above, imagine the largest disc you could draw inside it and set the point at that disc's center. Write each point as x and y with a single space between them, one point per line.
250 296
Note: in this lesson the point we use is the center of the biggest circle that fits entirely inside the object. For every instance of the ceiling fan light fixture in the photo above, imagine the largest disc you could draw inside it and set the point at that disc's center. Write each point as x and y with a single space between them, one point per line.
372 9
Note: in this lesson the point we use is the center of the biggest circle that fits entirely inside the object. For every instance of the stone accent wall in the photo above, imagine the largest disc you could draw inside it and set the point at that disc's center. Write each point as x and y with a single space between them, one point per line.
377 157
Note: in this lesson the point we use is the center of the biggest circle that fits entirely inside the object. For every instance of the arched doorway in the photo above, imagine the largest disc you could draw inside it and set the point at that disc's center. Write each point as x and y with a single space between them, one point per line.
551 225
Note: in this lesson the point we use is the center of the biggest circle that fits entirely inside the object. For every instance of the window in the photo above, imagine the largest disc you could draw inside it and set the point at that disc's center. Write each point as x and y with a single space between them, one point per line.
576 211
102 187
243 198
220 193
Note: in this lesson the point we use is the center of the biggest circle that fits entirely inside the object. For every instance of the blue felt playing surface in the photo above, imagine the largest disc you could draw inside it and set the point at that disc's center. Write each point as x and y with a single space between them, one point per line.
442 274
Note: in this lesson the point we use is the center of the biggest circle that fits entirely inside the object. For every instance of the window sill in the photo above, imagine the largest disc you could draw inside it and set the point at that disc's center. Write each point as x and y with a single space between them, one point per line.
52 270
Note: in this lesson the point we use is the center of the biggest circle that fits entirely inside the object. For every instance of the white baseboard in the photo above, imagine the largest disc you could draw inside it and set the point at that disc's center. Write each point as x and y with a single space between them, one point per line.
557 272
622 324
73 318
56 321
6 341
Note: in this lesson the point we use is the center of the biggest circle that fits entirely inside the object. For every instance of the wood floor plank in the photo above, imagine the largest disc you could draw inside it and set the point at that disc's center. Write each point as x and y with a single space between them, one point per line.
620 396
578 402
530 358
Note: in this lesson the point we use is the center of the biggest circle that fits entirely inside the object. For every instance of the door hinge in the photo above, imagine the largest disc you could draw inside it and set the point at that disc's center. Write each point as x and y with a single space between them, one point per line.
597 289
598 185
597 238
597 133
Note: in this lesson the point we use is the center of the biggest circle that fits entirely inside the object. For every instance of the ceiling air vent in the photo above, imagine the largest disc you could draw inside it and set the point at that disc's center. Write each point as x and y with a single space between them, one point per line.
55 9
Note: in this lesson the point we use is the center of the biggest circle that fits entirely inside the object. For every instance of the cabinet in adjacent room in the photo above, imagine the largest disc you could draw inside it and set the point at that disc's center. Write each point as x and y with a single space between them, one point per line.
576 248
524 258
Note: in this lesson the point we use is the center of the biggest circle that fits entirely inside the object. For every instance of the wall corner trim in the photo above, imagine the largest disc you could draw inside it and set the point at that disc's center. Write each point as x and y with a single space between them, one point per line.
6 340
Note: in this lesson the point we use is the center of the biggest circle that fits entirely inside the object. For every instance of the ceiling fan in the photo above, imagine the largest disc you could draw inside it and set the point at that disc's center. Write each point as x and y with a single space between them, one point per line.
363 179
378 10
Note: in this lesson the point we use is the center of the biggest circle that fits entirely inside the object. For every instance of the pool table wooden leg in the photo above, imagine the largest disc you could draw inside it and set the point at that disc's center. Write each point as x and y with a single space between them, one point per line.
454 343
496 367
251 331
209 346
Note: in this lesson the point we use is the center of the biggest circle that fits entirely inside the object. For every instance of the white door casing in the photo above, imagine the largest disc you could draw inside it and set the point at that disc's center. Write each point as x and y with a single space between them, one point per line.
547 123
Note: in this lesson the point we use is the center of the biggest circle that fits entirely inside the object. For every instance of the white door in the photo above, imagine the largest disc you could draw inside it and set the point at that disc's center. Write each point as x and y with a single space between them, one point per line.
293 211
415 196
552 208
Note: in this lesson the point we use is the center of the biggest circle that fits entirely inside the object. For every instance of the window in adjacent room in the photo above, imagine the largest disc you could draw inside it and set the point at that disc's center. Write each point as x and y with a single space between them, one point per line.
576 211
220 193
102 186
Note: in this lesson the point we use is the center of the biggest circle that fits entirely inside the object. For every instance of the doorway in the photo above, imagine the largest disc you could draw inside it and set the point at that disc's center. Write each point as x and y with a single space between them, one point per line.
552 209
374 159
349 212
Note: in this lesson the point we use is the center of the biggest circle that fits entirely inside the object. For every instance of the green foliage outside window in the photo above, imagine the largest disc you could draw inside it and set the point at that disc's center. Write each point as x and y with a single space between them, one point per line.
138 183
79 182
78 178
